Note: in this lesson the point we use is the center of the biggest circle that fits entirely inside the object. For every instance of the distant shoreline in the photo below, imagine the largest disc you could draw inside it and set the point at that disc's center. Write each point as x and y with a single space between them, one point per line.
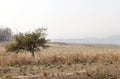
88 44
81 41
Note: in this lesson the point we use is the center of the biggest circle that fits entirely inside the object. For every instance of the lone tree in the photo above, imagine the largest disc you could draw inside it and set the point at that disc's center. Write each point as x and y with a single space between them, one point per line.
28 41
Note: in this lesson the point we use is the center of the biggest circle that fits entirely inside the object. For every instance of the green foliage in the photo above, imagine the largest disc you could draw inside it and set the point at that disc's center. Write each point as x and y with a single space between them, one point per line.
28 41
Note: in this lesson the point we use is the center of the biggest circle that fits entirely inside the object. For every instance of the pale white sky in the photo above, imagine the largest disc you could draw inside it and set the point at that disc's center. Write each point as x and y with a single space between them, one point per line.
63 18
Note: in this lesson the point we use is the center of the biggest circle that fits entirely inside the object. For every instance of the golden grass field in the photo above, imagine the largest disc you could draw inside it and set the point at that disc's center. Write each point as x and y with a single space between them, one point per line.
62 61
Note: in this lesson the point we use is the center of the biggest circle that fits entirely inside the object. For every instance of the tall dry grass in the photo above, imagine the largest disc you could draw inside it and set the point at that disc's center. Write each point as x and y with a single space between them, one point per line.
62 54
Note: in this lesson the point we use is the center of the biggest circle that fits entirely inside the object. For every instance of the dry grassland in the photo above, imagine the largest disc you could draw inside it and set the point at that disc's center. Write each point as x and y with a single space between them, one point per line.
62 61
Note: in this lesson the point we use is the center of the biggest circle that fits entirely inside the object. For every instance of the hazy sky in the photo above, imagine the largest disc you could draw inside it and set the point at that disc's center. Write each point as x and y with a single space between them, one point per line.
63 18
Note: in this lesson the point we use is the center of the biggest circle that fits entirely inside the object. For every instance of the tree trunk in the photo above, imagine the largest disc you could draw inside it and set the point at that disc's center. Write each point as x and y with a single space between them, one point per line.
33 54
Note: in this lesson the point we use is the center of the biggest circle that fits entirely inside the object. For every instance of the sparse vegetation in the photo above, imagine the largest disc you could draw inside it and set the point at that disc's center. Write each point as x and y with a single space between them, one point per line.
63 61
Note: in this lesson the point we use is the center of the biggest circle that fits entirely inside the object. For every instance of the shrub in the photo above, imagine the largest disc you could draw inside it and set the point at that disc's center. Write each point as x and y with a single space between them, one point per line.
28 41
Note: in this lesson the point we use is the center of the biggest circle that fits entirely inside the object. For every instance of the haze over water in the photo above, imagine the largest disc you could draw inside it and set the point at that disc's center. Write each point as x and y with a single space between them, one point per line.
65 19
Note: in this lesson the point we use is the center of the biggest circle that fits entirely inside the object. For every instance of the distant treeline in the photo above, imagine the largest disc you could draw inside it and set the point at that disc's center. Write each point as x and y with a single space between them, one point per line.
5 34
